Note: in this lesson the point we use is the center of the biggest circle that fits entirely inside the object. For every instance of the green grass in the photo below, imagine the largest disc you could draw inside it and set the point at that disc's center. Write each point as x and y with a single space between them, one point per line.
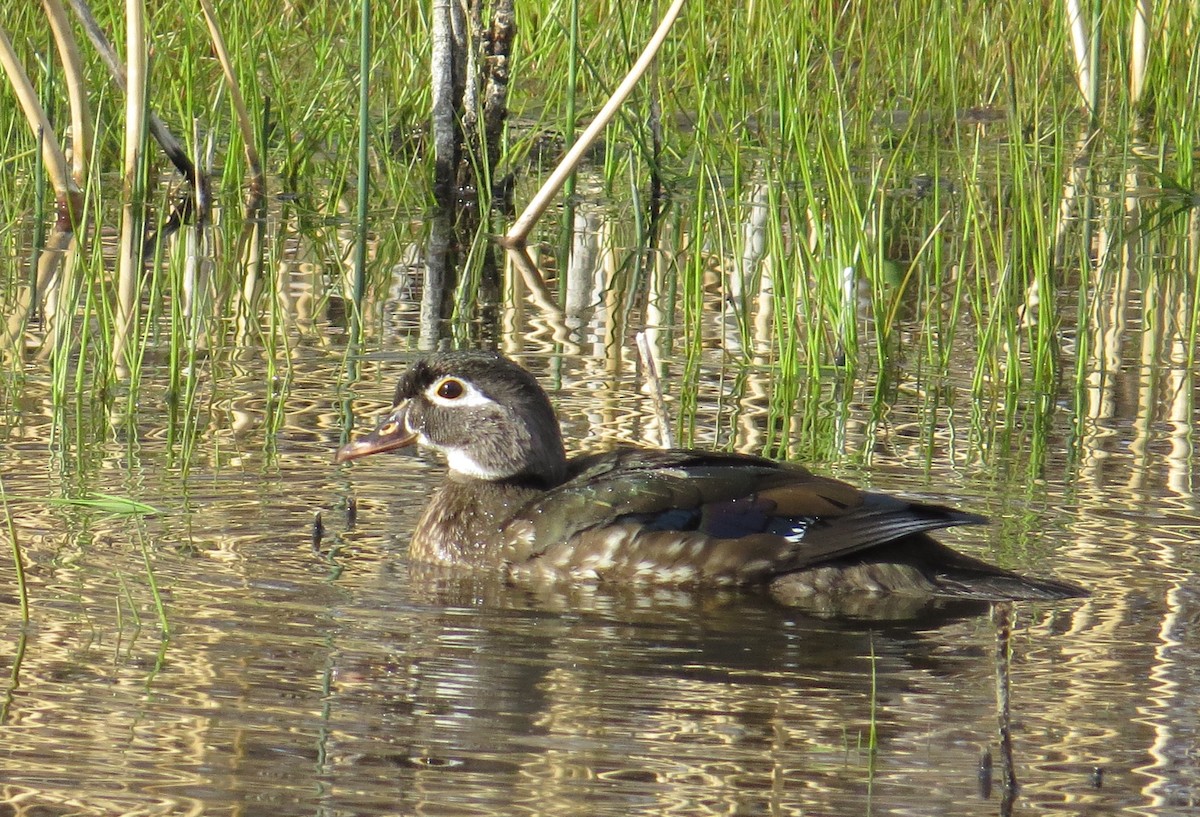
914 163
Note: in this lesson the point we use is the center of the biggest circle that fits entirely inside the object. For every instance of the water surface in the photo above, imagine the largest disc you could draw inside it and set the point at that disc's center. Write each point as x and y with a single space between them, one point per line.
339 679
306 674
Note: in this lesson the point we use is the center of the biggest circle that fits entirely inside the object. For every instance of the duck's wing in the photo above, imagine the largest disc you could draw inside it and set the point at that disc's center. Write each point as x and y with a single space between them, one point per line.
704 517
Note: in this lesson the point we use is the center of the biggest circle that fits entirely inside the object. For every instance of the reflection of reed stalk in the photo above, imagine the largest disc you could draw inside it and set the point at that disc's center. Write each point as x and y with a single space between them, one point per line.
18 559
1002 618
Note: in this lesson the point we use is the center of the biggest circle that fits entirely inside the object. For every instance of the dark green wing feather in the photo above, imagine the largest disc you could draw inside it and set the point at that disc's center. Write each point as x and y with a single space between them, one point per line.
756 509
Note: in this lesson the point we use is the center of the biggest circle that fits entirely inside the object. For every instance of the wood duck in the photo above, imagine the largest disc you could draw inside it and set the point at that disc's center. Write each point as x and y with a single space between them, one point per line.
514 502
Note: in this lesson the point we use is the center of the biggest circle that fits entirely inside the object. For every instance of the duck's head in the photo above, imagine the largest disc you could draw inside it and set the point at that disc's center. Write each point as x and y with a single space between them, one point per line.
486 414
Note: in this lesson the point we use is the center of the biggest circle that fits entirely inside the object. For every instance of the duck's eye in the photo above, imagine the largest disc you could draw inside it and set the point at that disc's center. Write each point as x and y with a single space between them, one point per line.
451 389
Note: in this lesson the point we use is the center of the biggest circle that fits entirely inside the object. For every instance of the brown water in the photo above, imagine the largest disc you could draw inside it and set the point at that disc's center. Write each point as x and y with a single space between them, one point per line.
335 678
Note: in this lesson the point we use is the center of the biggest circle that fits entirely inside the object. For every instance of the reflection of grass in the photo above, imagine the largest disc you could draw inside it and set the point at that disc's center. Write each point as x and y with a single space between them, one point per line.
18 558
103 503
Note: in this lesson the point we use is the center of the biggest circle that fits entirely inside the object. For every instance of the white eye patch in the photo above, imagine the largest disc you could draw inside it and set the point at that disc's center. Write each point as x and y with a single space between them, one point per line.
452 391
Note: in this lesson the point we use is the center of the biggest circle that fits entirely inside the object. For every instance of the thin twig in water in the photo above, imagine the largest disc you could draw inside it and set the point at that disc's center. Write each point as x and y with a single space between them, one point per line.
649 356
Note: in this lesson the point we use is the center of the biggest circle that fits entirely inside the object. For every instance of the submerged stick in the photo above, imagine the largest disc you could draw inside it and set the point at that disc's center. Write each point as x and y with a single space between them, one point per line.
519 232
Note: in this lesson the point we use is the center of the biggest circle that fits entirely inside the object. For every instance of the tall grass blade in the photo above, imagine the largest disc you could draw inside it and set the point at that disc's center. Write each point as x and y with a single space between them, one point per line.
364 170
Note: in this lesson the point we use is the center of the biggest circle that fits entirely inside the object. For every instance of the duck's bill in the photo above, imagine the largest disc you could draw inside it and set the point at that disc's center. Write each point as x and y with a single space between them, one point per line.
391 434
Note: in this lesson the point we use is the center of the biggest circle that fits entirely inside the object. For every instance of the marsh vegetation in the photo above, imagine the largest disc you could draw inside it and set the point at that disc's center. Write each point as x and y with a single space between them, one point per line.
940 249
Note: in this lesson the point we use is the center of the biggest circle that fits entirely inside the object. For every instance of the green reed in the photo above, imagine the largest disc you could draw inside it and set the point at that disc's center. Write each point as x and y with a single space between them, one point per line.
915 161
364 145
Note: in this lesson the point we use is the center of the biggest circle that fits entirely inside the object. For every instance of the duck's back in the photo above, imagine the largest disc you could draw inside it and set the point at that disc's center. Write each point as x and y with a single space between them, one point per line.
693 517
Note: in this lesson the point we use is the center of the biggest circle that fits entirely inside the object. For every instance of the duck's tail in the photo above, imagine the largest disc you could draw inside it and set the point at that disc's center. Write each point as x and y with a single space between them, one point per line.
920 566
958 576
